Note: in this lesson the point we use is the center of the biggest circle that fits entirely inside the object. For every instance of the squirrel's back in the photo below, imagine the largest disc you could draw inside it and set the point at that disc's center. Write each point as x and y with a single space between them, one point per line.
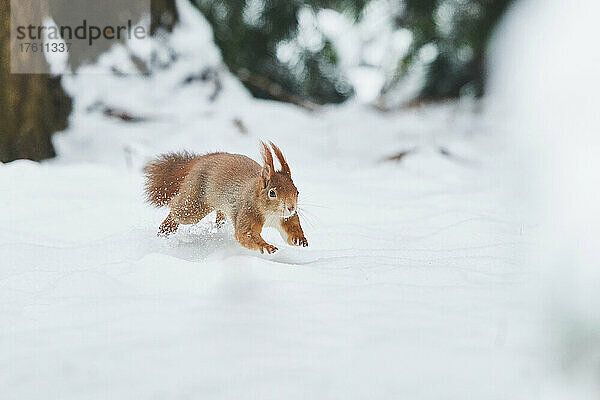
217 175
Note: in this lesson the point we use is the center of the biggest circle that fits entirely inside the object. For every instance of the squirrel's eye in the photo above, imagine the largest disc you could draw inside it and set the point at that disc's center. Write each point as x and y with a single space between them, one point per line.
272 193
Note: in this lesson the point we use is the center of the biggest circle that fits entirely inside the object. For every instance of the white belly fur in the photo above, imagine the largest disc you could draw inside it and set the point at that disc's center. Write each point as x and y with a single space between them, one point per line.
274 221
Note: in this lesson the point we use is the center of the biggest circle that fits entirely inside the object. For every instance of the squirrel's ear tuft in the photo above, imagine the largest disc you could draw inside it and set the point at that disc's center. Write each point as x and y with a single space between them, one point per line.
285 168
265 175
267 157
268 168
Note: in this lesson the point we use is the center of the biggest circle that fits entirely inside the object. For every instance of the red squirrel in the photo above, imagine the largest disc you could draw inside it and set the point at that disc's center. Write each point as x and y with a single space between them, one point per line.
233 185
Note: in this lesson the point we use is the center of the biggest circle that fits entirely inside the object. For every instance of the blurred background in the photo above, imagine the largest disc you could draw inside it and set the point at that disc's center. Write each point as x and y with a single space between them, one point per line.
448 153
384 53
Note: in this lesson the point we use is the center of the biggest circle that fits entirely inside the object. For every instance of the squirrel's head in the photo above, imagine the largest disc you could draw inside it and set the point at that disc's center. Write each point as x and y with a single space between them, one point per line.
278 192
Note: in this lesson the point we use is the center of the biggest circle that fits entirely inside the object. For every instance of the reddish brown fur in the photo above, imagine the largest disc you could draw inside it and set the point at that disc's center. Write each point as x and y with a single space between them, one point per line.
233 185
268 168
285 168
165 175
168 226
220 220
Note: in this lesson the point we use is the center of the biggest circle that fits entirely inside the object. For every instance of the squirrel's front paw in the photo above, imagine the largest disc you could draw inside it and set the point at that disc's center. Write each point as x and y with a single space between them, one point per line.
269 248
298 241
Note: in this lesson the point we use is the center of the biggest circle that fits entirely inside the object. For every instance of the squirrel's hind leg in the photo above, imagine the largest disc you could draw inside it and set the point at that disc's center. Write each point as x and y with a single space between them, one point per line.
188 211
168 226
220 220
183 211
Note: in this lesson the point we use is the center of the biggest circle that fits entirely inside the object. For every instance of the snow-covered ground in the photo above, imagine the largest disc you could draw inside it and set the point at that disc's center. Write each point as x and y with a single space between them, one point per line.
415 284
545 84
411 285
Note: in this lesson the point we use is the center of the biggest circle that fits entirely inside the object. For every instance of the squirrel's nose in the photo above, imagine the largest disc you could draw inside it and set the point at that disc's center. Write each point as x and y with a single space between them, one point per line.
291 208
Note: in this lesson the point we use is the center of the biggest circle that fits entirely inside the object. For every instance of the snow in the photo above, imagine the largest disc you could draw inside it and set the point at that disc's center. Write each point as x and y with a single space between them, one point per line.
398 291
545 84
414 284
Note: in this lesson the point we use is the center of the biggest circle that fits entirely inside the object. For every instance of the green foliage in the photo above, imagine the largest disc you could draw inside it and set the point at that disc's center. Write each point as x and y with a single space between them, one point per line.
460 30
248 32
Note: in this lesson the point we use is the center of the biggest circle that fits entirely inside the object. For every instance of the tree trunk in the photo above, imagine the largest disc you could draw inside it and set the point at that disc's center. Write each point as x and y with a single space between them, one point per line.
32 106
164 15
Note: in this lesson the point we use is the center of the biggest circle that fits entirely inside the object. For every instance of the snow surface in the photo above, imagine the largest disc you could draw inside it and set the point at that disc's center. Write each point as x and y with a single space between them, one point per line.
414 284
545 83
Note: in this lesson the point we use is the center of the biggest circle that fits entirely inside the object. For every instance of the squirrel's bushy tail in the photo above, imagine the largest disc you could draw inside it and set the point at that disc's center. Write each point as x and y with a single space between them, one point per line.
165 175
